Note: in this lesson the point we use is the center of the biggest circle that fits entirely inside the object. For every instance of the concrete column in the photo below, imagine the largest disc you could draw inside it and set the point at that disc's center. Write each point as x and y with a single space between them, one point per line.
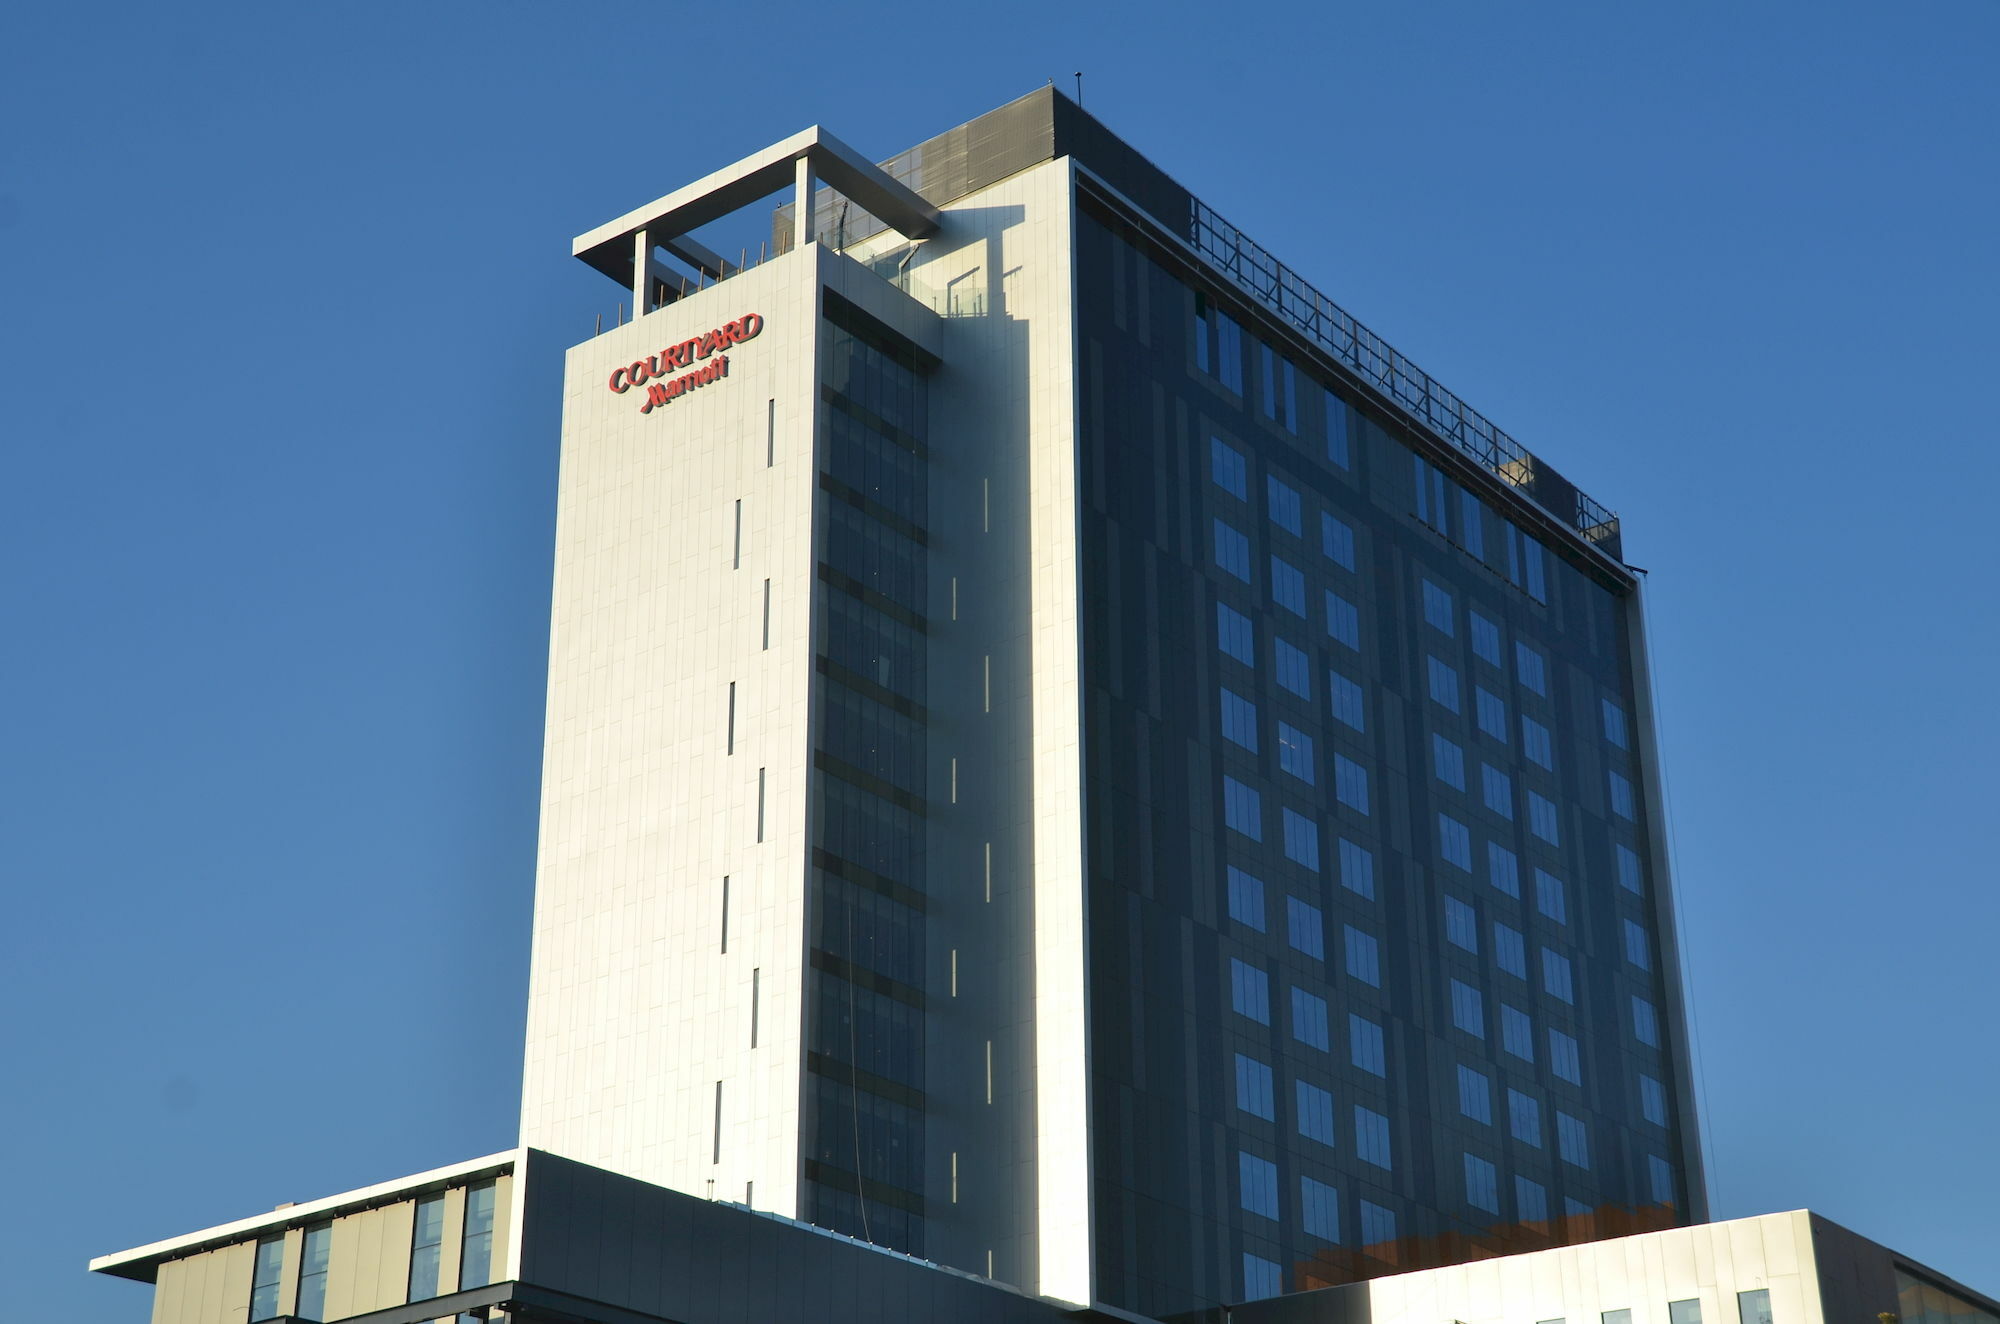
642 285
802 203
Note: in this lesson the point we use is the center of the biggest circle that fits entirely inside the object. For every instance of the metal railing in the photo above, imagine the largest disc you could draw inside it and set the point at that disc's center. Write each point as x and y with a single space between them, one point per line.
1281 289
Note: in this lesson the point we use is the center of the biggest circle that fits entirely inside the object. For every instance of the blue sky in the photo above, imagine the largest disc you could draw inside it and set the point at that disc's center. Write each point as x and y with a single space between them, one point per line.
283 296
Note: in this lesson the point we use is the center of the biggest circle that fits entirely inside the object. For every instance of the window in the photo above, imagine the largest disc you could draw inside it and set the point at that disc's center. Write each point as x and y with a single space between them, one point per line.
426 1246
1349 705
1302 924
1364 957
1565 1060
1437 608
1751 1307
1239 720
1496 789
1455 842
1292 668
1572 1141
1371 1137
1301 840
1517 1032
1661 1175
1621 798
1319 1211
1378 1225
1490 712
1284 505
1684 1312
317 1253
1449 761
1232 551
1430 486
475 1257
1468 1009
1615 1317
1485 639
1475 1095
1309 1020
1357 869
1336 540
1638 948
1549 896
1234 636
1246 899
1249 991
1614 724
1242 809
1295 753
1645 1023
1203 358
1542 819
1280 394
1350 783
1472 524
1461 924
1535 743
1261 1277
1253 1087
1502 869
1630 876
265 1271
1510 950
1336 430
1228 468
1557 979
1530 669
1531 1202
1365 1045
1444 684
1343 620
1288 586
1315 1109
1258 1182
1652 1100
1524 1118
1228 352
1482 1184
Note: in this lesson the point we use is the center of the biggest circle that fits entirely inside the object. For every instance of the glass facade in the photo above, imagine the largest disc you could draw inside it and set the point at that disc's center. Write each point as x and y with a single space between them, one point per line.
864 1014
1328 683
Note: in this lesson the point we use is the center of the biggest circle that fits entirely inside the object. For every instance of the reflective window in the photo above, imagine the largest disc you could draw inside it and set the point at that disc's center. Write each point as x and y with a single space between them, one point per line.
1249 991
1295 753
1510 950
1660 1176
1751 1307
1482 1184
1475 1095
1242 809
265 1271
1365 1046
1621 798
1288 586
1336 431
1246 899
1490 711
1536 744
1502 869
1309 1020
1496 790
1258 1180
1319 1212
475 1256
1234 635
1542 819
1461 924
317 1254
1549 897
1630 876
1443 683
1228 468
1228 351
1531 1201
1336 540
1557 979
1292 668
1517 1033
1357 869
1616 1317
1378 1225
1239 720
1253 1087
1684 1312
1652 1100
1261 1277
1524 1118
1284 504
1614 724
426 1243
1638 947
1449 761
1468 1009
1350 783
1371 1137
1364 959
1455 842
1303 928
1531 670
1315 1109
1343 620
1232 551
1437 608
1485 639
1572 1141
1349 706
1565 1060
1645 1024
1301 840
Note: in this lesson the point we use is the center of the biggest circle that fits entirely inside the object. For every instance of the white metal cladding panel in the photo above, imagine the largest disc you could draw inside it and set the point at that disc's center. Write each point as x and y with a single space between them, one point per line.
1710 1263
634 1011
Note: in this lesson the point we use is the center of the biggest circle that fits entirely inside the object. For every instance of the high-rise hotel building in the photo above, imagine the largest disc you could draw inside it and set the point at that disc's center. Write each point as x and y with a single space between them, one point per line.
1067 758
1070 758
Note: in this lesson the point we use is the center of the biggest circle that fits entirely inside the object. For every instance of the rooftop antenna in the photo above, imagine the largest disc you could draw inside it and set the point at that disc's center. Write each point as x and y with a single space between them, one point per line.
1079 89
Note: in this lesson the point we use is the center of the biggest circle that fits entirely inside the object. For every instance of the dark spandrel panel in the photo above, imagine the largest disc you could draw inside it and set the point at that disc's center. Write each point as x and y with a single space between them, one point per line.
1428 617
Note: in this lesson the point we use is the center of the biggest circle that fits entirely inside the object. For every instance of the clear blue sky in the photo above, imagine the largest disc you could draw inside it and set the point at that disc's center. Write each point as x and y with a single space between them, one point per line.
284 291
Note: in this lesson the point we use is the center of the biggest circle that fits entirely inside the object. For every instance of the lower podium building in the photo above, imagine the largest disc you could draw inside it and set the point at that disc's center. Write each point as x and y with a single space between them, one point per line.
1077 781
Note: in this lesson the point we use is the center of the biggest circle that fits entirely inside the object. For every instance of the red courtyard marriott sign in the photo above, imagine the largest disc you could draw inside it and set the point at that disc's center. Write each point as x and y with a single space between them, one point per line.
657 372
